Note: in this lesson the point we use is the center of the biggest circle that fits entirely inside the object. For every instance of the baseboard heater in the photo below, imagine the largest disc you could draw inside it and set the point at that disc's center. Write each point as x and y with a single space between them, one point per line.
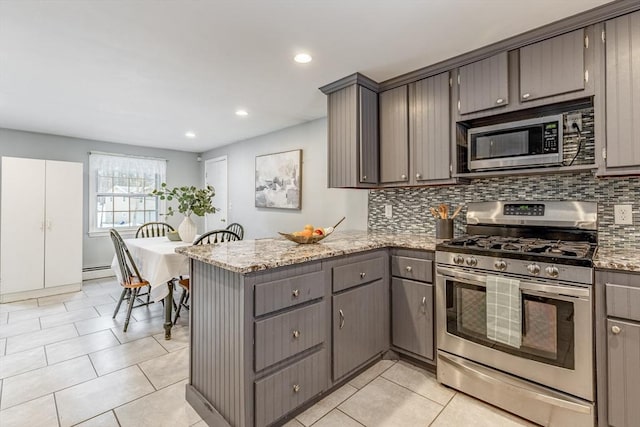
99 272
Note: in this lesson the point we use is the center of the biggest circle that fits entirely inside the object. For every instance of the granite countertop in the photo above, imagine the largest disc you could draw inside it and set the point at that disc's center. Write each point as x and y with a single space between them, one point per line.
617 259
246 256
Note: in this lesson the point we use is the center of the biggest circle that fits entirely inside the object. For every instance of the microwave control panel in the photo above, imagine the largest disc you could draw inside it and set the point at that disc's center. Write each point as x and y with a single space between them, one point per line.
550 137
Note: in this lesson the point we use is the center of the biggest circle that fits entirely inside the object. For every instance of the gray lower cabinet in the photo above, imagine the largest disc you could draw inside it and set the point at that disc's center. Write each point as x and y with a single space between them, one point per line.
484 84
412 304
623 93
553 66
352 115
358 327
617 300
394 135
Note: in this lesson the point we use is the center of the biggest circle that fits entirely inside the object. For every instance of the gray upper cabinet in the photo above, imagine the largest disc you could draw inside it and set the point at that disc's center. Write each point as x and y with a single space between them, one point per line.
353 137
553 66
429 128
623 91
394 135
484 84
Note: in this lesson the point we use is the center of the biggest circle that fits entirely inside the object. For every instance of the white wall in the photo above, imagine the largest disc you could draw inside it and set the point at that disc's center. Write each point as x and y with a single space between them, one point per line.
182 169
321 206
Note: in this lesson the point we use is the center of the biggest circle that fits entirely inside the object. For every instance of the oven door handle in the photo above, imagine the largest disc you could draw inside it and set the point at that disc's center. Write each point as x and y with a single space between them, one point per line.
481 280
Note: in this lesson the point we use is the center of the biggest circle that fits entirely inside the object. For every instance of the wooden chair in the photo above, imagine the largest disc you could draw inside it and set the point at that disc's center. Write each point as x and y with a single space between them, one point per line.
131 281
210 237
236 228
153 229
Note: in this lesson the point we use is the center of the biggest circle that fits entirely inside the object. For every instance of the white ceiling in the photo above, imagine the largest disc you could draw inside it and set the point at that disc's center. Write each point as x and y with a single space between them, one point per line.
144 72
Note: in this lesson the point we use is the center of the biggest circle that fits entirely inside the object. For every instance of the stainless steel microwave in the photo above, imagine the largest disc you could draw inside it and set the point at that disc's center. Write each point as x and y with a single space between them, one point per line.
525 143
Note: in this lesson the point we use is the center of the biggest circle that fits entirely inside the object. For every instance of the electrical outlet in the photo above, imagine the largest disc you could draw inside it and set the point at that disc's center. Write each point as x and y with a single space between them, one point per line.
622 214
388 211
571 119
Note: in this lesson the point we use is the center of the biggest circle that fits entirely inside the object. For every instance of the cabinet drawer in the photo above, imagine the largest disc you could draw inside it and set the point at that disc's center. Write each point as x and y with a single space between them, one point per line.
287 334
623 301
350 275
279 294
289 388
412 268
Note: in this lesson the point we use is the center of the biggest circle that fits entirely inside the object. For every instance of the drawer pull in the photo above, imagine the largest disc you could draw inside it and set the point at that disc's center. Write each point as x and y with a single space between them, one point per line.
295 293
341 313
296 388
362 275
403 177
616 330
526 95
408 268
296 334
499 100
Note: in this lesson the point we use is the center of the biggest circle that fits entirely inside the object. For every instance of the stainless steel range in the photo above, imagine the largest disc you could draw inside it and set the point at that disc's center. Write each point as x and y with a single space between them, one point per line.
514 309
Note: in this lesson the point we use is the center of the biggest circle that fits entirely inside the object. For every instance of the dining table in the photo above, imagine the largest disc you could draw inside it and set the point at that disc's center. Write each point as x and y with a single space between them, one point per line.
160 265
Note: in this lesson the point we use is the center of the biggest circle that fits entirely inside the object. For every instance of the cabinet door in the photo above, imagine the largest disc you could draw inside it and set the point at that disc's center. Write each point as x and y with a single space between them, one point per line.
22 219
623 90
358 327
429 127
368 136
624 373
412 316
394 135
552 67
63 220
352 114
484 84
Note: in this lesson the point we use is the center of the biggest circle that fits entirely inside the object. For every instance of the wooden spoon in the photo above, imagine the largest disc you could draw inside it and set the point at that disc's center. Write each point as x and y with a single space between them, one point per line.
456 212
444 210
434 212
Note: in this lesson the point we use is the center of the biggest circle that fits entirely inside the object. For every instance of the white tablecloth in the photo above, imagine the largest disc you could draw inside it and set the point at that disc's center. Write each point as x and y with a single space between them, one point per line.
157 262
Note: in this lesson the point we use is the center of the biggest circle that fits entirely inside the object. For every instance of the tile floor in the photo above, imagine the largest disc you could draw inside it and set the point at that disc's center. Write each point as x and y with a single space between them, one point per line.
65 362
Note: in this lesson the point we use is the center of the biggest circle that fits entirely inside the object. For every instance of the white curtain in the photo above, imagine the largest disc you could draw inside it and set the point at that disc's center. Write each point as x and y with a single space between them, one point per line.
115 165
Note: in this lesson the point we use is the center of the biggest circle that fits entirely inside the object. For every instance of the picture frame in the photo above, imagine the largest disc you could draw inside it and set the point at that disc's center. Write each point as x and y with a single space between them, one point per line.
278 180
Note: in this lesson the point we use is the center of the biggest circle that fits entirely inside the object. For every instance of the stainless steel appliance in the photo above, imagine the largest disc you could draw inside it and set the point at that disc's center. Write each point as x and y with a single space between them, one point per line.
546 250
525 143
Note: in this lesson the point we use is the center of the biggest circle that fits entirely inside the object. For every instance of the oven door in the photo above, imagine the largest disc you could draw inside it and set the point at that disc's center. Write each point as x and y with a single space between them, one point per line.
556 348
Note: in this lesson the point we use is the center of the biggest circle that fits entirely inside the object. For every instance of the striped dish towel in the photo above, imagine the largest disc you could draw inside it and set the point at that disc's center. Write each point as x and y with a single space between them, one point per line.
504 319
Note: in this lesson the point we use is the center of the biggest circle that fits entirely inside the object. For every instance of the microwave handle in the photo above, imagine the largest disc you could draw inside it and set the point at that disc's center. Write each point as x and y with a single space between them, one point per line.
481 280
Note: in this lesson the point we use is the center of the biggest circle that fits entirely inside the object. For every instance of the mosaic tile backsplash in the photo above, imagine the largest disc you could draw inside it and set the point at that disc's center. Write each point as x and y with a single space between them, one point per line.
410 205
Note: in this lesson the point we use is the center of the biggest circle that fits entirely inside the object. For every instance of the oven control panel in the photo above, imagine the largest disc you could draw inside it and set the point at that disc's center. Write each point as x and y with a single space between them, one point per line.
524 209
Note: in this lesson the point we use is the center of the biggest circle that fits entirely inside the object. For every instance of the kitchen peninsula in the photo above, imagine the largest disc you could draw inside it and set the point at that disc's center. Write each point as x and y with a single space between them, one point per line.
275 325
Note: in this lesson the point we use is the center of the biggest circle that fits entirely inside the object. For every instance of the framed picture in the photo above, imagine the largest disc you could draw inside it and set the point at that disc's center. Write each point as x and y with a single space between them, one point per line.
278 180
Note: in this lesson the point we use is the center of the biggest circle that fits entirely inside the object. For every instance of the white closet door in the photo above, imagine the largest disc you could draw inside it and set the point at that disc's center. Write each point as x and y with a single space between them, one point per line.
63 219
22 223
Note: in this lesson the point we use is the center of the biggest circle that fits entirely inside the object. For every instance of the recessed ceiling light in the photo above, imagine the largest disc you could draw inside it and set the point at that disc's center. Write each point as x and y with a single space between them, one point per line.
302 58
190 134
241 113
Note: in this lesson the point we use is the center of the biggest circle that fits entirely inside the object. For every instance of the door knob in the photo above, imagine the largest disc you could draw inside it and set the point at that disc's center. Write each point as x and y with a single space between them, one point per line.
408 268
295 293
616 330
296 388
296 334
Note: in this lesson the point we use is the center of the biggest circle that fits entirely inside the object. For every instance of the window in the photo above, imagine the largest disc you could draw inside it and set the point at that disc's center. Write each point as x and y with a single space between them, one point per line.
119 191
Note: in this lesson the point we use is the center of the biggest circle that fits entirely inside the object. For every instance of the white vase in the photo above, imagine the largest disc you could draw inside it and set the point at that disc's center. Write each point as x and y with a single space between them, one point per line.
187 230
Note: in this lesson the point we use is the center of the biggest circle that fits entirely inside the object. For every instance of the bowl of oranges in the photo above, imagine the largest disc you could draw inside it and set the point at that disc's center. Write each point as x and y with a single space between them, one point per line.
310 234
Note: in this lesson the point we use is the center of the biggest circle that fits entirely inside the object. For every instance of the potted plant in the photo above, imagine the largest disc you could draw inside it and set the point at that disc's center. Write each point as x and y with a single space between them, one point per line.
191 200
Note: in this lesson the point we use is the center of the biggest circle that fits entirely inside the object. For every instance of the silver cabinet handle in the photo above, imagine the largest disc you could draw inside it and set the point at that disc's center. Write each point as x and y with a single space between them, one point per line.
295 293
616 330
408 268
526 95
341 313
362 275
296 388
499 100
424 300
403 177
364 178
296 334
418 176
